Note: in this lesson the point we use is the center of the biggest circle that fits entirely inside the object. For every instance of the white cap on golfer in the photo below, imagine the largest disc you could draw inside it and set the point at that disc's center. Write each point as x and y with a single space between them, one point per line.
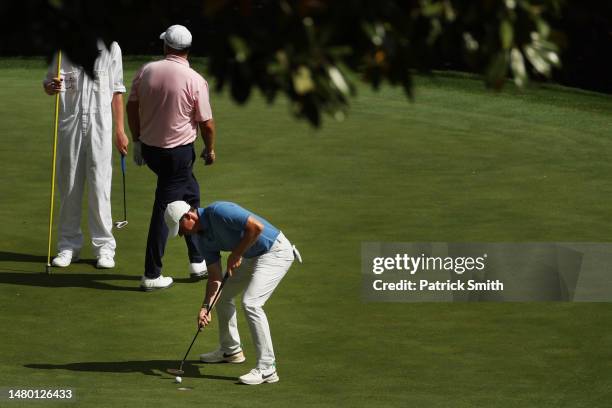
177 37
174 213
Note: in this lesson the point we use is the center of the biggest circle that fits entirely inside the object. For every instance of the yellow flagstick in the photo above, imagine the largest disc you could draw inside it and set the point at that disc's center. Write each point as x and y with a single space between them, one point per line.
57 96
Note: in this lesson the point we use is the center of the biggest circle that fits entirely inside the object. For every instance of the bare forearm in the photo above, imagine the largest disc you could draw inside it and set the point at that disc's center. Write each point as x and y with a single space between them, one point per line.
208 131
208 134
121 140
212 287
117 107
214 282
252 231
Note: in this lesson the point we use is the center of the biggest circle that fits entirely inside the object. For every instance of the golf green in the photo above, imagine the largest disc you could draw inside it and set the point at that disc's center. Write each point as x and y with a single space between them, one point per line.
459 164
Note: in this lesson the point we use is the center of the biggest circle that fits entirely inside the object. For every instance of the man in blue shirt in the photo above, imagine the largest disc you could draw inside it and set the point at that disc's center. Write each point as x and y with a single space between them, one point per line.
259 258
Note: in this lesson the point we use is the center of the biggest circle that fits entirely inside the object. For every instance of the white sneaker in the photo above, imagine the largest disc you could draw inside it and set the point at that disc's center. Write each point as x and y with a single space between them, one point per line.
161 282
197 270
64 258
105 262
219 356
259 376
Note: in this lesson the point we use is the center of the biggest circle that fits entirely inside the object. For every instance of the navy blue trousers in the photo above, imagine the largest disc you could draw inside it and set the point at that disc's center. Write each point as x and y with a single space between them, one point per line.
175 181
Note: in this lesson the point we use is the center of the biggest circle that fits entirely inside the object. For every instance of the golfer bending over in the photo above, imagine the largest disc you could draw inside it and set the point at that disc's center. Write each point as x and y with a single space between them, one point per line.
260 257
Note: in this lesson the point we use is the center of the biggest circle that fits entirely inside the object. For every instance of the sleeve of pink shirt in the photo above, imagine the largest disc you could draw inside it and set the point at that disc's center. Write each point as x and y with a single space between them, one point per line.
202 103
135 82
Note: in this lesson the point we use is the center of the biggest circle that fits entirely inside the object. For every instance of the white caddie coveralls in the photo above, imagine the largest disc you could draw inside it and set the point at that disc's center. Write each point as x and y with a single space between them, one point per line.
84 150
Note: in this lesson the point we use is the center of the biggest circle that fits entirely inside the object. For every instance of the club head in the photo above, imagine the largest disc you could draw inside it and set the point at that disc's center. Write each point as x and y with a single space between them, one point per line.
175 371
121 224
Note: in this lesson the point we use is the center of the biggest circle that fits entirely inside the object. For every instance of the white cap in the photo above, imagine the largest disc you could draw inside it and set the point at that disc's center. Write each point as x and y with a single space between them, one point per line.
174 213
177 37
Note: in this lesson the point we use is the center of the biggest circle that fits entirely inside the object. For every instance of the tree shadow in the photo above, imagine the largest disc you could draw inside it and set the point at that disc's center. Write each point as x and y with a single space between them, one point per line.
155 368
29 258
66 280
18 257
38 277
188 280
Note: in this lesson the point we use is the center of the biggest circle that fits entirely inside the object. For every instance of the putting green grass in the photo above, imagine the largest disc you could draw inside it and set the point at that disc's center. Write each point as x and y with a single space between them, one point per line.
459 164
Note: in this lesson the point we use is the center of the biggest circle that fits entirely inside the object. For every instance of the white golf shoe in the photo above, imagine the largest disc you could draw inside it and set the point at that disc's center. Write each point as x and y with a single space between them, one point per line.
219 356
197 270
64 258
105 262
260 376
161 282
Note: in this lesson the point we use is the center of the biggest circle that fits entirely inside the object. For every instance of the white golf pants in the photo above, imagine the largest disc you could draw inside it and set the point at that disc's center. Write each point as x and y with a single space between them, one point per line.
85 153
257 277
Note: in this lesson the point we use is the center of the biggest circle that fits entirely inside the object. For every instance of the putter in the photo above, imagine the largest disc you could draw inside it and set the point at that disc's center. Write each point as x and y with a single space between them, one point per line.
121 224
179 371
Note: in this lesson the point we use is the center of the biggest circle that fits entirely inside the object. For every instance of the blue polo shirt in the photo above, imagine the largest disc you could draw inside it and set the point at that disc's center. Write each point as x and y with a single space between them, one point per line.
222 224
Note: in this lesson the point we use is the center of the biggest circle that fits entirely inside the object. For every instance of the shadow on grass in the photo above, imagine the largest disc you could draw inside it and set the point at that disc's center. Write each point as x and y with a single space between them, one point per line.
37 276
66 280
188 280
17 257
148 367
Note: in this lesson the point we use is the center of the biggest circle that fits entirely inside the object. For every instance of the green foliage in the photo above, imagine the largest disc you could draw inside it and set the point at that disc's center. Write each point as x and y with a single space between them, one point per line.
305 48
313 51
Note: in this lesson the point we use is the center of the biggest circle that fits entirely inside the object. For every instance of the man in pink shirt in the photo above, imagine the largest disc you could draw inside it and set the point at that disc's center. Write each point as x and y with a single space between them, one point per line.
168 102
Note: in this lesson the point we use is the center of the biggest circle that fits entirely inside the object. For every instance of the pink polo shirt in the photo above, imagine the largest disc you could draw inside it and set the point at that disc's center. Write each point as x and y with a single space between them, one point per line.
172 99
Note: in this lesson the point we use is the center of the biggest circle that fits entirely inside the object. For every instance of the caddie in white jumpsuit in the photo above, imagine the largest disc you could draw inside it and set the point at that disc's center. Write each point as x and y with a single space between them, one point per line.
84 150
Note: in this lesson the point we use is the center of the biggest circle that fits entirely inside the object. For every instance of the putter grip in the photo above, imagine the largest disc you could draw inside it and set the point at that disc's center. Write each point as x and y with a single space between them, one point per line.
123 163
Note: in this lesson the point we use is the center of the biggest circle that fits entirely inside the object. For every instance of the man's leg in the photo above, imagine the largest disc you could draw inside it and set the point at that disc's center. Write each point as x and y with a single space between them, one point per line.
70 182
173 168
192 196
157 159
268 270
158 234
99 178
229 338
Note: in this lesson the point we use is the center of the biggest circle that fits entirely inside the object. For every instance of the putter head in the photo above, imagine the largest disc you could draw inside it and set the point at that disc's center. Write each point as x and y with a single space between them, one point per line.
175 371
121 224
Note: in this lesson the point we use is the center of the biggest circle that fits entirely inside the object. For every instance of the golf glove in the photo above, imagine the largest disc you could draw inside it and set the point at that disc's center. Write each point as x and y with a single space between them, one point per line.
137 154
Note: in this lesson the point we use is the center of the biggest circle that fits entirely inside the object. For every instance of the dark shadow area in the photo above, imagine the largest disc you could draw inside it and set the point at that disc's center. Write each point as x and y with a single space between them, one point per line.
87 261
188 280
148 367
35 275
67 280
17 257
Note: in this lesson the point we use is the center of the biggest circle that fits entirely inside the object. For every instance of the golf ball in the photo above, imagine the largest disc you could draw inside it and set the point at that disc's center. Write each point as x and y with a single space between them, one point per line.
178 380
